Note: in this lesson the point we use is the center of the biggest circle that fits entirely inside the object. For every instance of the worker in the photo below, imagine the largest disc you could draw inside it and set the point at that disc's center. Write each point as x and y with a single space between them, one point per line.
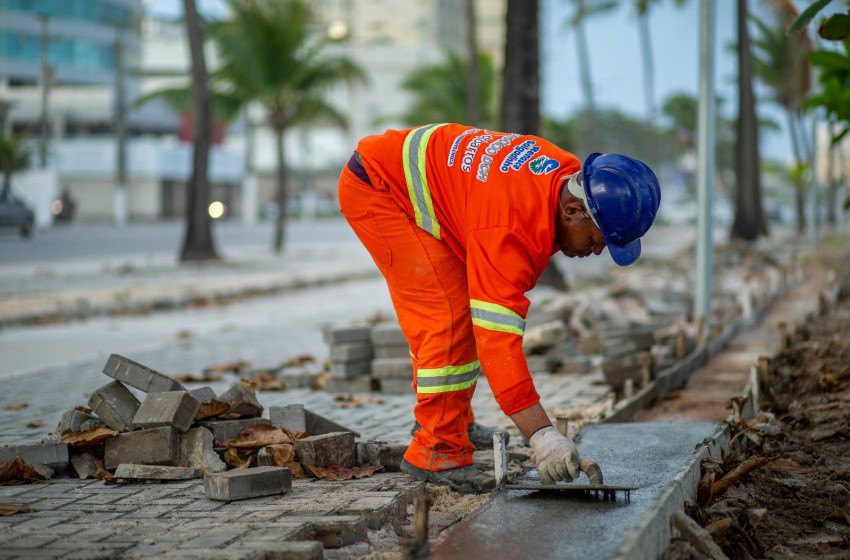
461 222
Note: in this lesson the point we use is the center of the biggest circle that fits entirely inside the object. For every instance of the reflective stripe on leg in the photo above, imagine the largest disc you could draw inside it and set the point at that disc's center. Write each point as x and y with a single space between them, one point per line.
449 378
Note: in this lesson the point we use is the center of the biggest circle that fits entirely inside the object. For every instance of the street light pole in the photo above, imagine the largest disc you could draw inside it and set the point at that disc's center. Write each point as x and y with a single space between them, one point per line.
45 85
705 166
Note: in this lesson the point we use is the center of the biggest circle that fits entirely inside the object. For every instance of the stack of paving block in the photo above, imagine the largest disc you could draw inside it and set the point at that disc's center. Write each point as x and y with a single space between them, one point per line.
542 335
623 351
392 367
351 354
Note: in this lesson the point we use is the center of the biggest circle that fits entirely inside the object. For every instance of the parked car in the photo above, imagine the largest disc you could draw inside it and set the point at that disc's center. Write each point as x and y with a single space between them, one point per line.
15 214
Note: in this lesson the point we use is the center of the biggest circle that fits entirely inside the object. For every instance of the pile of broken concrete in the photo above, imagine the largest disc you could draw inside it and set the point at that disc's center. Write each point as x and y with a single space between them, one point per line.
177 434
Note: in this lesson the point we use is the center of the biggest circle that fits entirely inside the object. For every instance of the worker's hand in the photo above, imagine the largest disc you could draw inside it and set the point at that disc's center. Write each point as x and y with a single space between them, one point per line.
556 456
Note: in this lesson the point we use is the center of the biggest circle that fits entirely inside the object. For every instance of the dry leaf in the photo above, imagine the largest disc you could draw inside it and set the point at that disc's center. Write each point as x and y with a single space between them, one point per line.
259 436
212 409
302 434
94 436
19 406
103 474
267 382
335 471
295 467
229 367
319 382
36 424
282 453
195 378
249 384
184 334
11 509
246 464
17 472
352 401
299 360
85 409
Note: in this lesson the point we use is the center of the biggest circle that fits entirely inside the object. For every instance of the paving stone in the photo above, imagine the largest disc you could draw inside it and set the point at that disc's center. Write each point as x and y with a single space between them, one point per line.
576 364
73 421
388 334
374 453
197 449
91 424
355 385
393 351
297 550
139 376
299 419
115 405
53 455
378 510
155 472
347 334
175 408
336 531
247 483
320 450
84 465
224 430
396 386
350 370
264 458
203 394
352 352
539 363
300 377
392 368
242 401
544 335
156 446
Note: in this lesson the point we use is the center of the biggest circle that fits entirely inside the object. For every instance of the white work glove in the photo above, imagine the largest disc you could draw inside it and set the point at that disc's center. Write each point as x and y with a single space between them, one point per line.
556 456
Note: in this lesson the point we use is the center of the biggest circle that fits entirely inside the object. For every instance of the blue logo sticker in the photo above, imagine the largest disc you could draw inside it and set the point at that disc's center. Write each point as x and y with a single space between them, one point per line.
543 165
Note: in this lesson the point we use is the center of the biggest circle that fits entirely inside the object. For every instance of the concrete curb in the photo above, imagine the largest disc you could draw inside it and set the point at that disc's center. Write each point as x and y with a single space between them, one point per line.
199 298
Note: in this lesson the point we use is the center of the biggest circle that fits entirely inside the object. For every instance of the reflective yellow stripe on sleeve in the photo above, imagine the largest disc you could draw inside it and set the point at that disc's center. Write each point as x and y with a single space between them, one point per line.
495 317
413 156
449 378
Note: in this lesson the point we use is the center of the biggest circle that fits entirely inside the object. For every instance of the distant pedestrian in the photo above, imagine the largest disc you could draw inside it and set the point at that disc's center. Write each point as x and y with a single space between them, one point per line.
461 222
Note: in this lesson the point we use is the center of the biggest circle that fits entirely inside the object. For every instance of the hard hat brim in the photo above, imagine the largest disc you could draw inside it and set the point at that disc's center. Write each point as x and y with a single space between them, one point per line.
625 255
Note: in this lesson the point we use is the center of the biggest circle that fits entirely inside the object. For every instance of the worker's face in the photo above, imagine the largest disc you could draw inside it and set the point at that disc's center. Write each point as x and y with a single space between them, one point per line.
579 236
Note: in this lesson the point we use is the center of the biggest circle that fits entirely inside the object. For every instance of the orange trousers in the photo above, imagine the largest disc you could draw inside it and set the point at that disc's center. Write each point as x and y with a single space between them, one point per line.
428 287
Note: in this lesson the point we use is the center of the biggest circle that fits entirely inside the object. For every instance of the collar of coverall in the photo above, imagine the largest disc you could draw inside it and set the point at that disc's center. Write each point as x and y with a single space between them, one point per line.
574 184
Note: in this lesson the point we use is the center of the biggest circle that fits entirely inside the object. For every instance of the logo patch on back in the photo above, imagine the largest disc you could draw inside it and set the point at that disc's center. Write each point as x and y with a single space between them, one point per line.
543 165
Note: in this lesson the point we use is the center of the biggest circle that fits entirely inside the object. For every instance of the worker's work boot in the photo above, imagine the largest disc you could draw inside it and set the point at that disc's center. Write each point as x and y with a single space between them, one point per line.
480 436
466 480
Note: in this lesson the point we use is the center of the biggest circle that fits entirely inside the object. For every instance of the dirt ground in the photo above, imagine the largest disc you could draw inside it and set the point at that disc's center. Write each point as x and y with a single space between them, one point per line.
783 488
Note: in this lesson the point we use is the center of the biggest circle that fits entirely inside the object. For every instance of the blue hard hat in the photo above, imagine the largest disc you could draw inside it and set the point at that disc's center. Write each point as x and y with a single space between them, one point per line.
622 196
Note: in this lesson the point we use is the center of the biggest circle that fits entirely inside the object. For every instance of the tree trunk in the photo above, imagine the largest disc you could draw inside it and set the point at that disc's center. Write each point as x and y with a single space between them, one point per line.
749 222
282 191
521 76
831 186
648 67
198 243
799 186
588 143
521 90
473 97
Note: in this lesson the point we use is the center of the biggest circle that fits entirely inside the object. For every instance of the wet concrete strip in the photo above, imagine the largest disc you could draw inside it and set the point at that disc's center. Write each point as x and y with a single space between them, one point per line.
543 525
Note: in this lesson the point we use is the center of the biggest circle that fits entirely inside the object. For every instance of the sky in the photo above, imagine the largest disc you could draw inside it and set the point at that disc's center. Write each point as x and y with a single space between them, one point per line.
615 59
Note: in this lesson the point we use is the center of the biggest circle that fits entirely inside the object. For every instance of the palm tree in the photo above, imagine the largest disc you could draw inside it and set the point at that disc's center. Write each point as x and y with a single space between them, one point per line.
780 62
749 223
269 56
14 157
198 242
440 92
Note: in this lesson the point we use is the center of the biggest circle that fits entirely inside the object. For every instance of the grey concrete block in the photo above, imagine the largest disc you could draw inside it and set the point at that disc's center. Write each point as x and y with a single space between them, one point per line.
299 419
299 377
396 386
352 352
247 483
176 408
392 368
393 351
203 394
139 376
43 471
388 334
321 450
242 401
53 455
575 364
197 451
155 472
73 420
292 550
349 370
115 405
336 531
91 424
223 430
377 510
539 363
342 335
375 453
84 465
544 335
265 459
156 446
356 385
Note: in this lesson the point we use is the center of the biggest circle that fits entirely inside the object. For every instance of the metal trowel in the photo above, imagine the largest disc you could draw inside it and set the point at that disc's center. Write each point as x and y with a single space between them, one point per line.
531 480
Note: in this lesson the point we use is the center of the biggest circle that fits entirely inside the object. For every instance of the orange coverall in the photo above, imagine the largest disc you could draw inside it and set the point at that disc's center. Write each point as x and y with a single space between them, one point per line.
461 223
